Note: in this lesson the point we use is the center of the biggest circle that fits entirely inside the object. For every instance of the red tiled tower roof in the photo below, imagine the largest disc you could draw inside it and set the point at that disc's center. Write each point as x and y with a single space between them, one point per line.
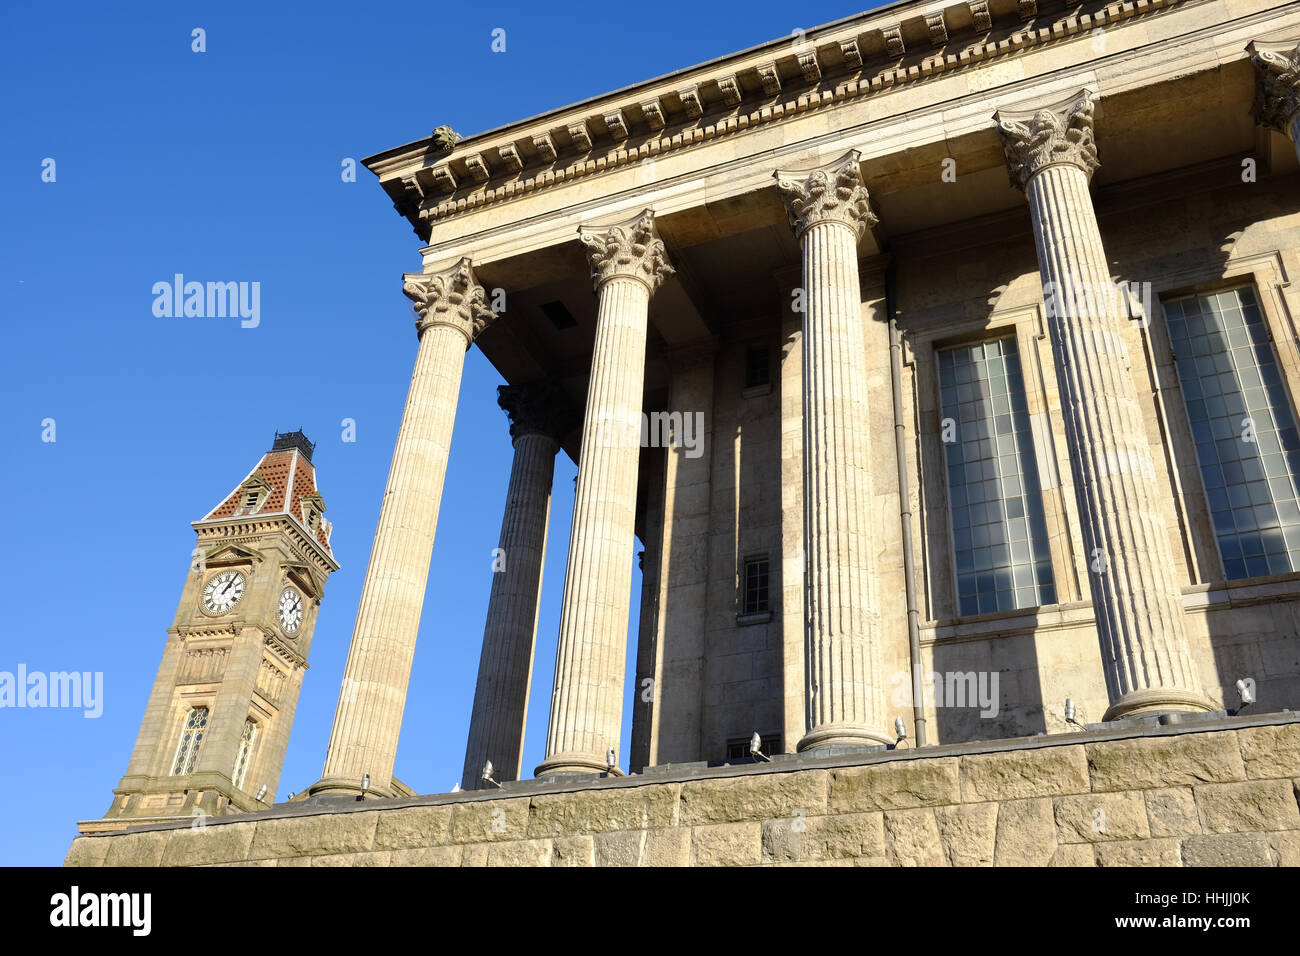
282 480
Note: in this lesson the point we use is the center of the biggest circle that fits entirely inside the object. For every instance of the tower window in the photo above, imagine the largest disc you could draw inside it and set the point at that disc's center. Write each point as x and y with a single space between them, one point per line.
1247 444
243 757
187 751
999 535
757 366
755 582
250 500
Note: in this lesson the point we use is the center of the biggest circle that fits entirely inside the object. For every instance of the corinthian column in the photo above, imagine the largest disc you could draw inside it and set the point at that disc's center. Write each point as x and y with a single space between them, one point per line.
539 417
628 263
829 212
1277 87
1135 592
452 310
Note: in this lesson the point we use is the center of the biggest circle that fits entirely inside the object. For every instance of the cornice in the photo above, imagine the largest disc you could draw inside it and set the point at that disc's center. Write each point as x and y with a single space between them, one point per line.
858 58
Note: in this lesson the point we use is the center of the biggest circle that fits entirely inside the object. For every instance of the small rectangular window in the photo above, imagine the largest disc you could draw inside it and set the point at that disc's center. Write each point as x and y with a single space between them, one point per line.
738 747
757 366
187 751
1246 439
755 600
250 499
999 533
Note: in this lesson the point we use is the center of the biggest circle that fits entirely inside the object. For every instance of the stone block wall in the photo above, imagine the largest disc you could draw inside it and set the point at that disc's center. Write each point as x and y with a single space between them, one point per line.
1225 795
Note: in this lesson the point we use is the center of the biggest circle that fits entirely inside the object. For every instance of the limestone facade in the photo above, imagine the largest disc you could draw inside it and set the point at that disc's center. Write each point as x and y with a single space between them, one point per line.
1222 797
1053 206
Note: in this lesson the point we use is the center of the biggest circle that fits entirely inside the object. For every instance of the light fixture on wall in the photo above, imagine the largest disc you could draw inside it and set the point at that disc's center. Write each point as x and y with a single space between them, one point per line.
611 760
1069 714
1245 693
900 731
756 748
365 784
487 775
261 792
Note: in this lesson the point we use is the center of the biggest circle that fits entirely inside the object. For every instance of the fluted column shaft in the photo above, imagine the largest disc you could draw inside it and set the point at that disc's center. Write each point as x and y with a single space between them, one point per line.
1136 595
845 700
496 730
368 720
628 263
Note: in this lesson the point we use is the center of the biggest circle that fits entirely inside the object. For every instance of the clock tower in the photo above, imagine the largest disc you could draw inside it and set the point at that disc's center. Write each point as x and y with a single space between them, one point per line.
217 724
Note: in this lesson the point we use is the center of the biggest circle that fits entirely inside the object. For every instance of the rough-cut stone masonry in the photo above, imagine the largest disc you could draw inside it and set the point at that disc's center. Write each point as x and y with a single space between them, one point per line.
1216 793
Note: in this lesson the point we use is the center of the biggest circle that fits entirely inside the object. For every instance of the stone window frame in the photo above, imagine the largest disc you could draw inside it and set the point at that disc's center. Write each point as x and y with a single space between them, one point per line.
1266 273
932 526
187 705
747 616
245 757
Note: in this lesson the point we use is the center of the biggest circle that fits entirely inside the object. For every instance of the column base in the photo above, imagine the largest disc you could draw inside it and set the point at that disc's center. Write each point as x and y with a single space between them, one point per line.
346 787
1147 702
842 735
573 763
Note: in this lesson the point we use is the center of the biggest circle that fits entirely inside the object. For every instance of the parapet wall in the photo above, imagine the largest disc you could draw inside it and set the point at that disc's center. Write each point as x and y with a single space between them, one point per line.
1219 793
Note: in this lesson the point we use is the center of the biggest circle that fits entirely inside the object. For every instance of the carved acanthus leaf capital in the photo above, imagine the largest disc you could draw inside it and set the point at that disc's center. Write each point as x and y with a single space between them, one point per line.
452 297
1059 133
1277 83
539 408
631 250
833 193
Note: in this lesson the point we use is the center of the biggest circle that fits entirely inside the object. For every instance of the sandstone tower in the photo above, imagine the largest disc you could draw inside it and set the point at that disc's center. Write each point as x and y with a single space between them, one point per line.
217 723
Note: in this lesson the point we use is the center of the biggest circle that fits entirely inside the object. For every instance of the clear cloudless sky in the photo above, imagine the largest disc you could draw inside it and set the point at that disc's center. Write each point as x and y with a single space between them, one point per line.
226 166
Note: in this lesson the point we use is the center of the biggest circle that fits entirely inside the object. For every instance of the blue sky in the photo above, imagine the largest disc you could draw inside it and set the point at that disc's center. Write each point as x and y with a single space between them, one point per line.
225 165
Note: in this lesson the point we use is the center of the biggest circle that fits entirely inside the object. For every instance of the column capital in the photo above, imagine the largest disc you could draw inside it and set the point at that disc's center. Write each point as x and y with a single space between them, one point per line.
831 193
1055 134
452 297
538 408
631 249
1277 83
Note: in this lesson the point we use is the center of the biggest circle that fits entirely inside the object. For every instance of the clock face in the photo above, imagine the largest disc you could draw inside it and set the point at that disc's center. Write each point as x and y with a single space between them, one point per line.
290 610
223 591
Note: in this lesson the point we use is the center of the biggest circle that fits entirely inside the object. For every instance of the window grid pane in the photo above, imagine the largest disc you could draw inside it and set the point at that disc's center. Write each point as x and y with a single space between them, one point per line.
999 535
245 751
755 586
1247 444
191 736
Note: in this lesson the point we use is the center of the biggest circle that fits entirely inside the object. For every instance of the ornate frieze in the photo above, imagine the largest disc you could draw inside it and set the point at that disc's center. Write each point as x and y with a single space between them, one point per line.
632 250
1277 83
452 297
833 193
1060 133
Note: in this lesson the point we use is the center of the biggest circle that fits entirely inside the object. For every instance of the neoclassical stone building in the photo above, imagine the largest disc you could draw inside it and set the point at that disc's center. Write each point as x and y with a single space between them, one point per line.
941 362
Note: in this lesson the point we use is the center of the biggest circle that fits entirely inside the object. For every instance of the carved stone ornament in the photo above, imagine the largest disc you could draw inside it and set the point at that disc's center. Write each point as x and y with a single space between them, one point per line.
1060 133
833 193
539 408
452 298
631 250
1277 83
445 139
